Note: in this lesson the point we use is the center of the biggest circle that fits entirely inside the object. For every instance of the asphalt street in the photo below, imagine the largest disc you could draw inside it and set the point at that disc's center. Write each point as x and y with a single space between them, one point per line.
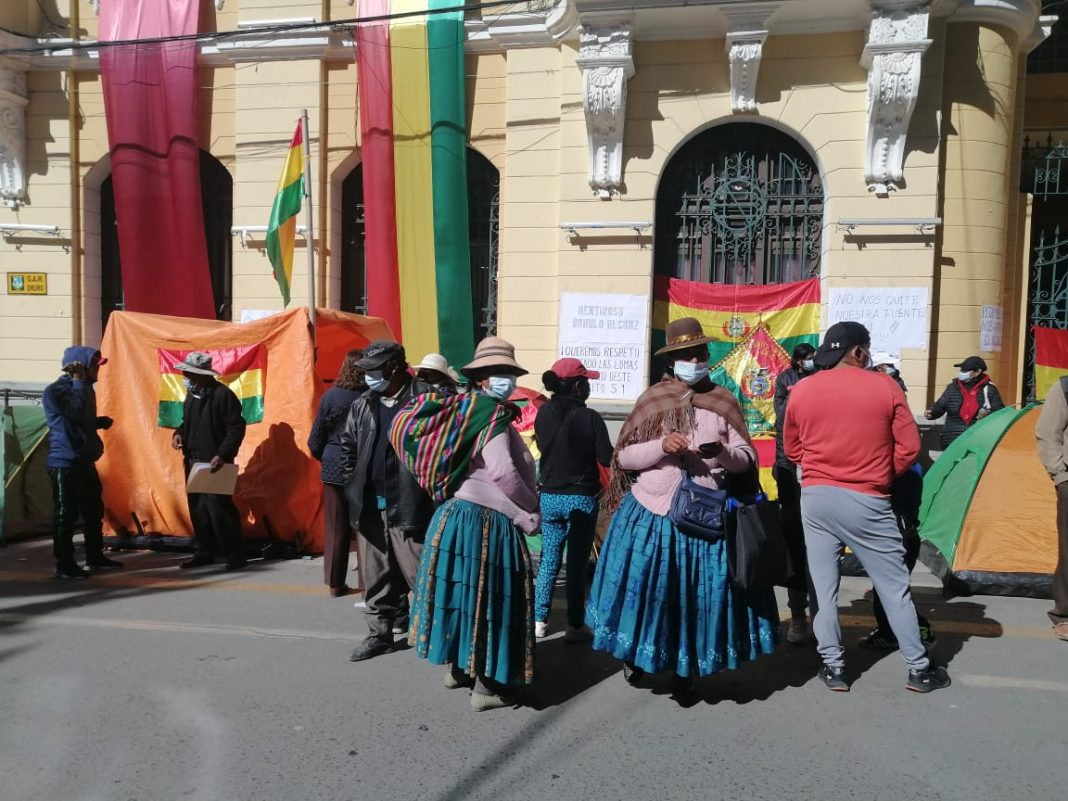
152 684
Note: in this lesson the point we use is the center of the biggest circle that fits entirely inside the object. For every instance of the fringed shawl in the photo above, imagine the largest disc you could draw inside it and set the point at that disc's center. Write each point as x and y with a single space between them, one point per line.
663 408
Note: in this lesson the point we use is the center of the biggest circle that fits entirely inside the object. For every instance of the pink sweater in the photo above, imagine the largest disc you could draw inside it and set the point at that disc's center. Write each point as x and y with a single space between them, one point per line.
502 478
661 474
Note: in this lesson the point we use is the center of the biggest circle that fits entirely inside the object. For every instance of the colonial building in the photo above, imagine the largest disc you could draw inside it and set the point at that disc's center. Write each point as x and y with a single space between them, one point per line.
873 144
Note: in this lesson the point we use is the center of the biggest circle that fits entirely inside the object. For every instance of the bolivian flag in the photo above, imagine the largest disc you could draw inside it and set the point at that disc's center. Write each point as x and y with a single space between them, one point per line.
1051 358
731 312
282 227
244 370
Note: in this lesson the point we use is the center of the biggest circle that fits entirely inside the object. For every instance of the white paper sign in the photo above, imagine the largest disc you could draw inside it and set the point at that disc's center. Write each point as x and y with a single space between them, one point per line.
895 316
608 333
252 315
990 329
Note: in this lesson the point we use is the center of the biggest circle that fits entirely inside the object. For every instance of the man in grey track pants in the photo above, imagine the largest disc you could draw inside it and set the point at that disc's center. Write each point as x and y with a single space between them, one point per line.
851 432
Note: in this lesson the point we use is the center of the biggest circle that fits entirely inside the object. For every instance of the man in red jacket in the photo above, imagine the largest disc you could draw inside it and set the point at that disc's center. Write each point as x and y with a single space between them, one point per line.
851 432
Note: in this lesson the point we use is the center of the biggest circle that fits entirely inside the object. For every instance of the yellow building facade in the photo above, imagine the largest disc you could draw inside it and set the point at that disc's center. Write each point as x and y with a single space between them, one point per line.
886 147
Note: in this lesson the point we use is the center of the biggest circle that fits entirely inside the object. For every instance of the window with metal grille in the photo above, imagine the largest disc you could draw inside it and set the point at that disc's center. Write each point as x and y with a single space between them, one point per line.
483 193
740 203
217 201
1052 54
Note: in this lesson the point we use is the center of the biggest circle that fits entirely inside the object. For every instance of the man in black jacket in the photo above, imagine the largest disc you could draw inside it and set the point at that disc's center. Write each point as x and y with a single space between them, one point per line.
386 503
212 430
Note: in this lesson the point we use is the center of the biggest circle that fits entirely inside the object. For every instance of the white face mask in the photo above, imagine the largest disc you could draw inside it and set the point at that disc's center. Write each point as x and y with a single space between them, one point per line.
965 375
501 387
375 381
891 371
691 373
808 366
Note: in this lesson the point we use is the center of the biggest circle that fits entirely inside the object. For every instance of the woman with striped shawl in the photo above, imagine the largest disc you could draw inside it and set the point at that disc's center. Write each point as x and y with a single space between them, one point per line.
662 600
473 604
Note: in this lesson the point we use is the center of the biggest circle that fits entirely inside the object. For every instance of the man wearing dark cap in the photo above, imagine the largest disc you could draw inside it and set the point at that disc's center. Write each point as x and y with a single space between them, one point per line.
969 398
850 430
74 446
386 503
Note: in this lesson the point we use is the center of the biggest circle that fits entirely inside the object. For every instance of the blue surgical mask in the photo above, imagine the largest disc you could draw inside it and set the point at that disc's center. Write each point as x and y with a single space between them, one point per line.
808 366
375 381
691 373
965 375
501 387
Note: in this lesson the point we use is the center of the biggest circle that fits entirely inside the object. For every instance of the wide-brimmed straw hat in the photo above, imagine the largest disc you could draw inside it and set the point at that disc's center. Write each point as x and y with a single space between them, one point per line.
684 333
198 363
437 363
493 352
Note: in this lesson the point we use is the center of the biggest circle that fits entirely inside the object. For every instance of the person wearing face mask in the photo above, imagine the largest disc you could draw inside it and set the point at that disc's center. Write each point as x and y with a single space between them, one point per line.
970 397
386 503
324 442
851 431
785 474
434 370
660 599
886 363
74 446
573 441
472 609
212 431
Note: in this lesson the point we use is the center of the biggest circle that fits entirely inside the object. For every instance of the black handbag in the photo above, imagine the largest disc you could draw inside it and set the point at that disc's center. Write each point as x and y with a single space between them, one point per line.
699 511
756 548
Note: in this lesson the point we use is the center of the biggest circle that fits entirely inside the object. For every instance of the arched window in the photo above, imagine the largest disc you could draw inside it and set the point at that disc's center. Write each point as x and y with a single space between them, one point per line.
483 199
217 200
740 203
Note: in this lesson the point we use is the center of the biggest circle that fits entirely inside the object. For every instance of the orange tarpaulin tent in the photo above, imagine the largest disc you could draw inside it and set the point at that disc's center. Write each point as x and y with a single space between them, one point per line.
143 476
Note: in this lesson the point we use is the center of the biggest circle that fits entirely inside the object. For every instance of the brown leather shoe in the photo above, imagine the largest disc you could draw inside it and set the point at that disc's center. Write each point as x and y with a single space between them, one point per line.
1061 630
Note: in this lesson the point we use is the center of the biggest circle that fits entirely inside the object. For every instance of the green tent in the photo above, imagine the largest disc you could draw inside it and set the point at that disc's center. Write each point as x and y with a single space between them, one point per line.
26 500
988 510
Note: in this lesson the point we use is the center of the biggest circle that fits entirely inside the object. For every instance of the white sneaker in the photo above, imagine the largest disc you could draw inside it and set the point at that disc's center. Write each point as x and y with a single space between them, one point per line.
797 633
541 629
577 634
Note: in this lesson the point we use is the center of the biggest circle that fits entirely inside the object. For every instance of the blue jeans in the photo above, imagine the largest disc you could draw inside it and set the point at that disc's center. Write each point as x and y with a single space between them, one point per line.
571 519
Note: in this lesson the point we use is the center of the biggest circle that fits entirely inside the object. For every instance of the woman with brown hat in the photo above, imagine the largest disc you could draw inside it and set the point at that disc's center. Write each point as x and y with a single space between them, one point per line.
472 608
662 600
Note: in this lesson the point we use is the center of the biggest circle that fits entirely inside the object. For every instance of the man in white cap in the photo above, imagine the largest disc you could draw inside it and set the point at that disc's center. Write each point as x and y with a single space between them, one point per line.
212 431
434 370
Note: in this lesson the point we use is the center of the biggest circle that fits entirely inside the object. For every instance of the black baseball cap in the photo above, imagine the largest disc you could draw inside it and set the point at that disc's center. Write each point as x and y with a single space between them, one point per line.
379 353
972 363
839 338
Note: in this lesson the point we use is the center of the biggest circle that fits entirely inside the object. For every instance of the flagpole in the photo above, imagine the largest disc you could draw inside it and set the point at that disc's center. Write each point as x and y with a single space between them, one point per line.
309 233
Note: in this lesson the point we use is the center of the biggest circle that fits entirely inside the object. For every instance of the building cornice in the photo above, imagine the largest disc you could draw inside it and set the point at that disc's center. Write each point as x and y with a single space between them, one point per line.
1019 16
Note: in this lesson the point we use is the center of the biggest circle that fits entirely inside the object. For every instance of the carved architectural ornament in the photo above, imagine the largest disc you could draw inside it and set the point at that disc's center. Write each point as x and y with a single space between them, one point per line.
606 65
13 102
897 40
745 50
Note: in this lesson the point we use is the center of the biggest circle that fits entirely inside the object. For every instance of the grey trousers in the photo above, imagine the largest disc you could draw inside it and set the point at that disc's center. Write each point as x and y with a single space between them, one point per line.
835 518
389 561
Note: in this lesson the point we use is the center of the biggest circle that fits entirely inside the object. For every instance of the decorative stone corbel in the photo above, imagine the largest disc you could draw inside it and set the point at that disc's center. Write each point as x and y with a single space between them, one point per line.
606 65
13 102
744 50
897 40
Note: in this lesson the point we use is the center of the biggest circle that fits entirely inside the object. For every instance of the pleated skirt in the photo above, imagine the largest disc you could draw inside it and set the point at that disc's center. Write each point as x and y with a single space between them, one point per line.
473 601
664 601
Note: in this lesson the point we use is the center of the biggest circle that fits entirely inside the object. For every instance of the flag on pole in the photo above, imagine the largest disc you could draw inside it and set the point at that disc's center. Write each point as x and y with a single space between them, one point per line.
282 227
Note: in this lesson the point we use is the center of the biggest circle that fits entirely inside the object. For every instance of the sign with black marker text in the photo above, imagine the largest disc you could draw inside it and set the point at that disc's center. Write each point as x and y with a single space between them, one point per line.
608 333
895 316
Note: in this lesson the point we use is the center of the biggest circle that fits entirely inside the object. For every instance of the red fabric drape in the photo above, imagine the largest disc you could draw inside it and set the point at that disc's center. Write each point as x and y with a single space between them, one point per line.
376 145
150 98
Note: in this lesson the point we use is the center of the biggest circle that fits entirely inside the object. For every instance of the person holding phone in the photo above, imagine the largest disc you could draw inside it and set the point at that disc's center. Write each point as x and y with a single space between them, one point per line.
662 600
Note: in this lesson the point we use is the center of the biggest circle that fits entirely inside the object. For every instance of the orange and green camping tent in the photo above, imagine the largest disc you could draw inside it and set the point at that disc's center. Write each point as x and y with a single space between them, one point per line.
989 513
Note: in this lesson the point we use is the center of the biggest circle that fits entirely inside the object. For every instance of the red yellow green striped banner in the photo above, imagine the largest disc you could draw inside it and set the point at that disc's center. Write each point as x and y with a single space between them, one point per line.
413 129
244 370
282 226
1051 358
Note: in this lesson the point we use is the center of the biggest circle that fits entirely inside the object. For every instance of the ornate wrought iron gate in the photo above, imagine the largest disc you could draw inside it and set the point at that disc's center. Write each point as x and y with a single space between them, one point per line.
1045 174
741 203
483 181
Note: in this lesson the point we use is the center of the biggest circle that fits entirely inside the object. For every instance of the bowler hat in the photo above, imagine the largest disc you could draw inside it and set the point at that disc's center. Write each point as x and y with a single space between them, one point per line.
682 334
